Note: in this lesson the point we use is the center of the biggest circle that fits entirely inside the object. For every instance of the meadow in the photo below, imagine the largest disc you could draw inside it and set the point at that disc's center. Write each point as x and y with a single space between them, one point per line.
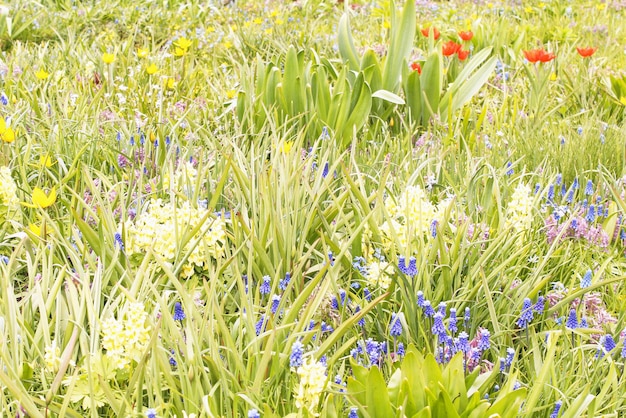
312 208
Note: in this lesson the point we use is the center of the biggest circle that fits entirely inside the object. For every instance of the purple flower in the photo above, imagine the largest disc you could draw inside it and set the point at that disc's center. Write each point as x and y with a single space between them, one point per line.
438 328
400 351
402 265
118 241
433 228
466 318
353 413
527 314
572 320
264 289
428 309
442 308
557 408
609 343
591 214
510 353
586 280
395 327
253 413
540 305
179 314
151 413
412 268
366 294
297 350
275 303
420 299
258 327
483 342
452 327
285 282
463 343
589 188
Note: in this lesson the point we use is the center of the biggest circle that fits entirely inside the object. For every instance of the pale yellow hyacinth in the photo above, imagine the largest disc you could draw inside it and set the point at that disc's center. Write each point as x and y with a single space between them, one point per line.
312 383
126 338
519 212
8 189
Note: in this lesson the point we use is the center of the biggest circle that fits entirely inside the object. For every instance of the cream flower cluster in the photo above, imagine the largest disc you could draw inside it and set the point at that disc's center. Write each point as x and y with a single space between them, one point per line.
8 189
164 226
519 212
412 215
184 176
125 339
379 274
312 383
52 357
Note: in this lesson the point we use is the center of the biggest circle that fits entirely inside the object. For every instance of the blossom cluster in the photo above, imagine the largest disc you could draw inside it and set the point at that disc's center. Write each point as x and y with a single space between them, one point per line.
519 213
8 189
162 227
126 338
313 378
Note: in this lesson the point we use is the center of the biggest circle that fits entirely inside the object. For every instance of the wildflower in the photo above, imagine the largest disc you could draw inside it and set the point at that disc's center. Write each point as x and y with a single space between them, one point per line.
41 74
551 193
126 338
520 209
40 199
412 268
118 241
151 69
527 314
540 305
353 412
295 359
466 35
8 189
52 357
275 303
312 383
608 343
285 282
420 299
442 308
538 55
591 214
466 318
438 328
415 66
428 309
510 353
483 342
173 362
151 413
452 327
400 351
179 314
6 134
509 171
264 289
142 52
402 264
623 354
366 294
427 30
108 58
360 322
572 320
258 327
462 54
583 322
463 343
450 48
395 326
557 408
253 413
586 52
586 280
589 188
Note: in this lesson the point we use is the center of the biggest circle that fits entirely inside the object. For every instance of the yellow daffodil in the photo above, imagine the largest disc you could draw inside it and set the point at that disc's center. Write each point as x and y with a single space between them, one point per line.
183 43
108 58
38 229
41 74
41 200
151 69
142 52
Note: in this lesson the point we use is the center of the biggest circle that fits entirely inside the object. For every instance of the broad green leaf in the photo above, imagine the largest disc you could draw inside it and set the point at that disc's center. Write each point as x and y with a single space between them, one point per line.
388 96
347 50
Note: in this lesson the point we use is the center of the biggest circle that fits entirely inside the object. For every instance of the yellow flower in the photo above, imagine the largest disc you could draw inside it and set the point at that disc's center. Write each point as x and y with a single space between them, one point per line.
386 24
553 77
622 100
286 147
151 69
231 93
183 43
170 83
257 21
227 44
108 58
7 134
45 161
142 52
40 199
41 74
179 52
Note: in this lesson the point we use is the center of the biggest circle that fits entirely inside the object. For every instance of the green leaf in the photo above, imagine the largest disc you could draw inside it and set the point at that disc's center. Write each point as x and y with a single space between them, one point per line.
402 38
413 94
347 50
378 404
388 96
431 80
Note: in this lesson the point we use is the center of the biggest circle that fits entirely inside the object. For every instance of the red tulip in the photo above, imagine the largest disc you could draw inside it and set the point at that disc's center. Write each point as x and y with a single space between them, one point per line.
586 52
462 54
415 66
426 32
535 55
450 48
466 35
